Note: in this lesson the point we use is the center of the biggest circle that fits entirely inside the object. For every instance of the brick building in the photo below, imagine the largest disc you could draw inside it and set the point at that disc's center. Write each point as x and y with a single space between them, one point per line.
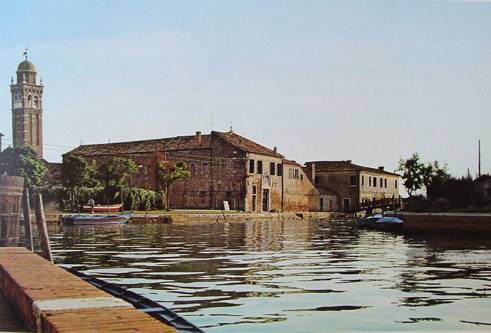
343 184
224 167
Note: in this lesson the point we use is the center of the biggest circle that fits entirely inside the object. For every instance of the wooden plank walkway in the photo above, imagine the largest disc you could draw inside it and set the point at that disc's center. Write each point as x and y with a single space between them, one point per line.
49 299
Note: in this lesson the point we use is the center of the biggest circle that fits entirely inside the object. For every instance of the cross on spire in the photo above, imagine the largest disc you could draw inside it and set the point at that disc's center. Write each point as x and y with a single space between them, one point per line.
25 52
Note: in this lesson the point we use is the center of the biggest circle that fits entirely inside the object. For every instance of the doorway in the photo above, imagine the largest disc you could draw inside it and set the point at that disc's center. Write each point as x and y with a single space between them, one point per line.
346 204
254 194
265 200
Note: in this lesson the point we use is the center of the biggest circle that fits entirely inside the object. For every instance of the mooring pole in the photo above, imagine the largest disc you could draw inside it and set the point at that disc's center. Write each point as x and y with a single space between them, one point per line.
27 220
42 230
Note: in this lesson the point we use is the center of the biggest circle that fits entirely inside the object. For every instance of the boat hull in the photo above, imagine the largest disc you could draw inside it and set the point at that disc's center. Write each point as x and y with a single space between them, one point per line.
103 209
383 224
96 219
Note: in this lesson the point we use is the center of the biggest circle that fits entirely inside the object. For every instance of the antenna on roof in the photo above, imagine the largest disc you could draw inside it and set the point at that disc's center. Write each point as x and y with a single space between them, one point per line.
479 159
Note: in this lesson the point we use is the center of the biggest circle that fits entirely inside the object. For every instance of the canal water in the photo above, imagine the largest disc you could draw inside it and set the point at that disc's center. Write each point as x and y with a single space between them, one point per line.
291 276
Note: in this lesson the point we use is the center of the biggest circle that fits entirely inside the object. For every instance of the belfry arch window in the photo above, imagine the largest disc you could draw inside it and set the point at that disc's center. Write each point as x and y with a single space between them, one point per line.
29 101
36 102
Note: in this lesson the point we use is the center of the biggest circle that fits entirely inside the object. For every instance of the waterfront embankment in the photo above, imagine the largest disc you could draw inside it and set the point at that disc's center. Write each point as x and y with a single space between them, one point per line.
468 223
49 299
213 216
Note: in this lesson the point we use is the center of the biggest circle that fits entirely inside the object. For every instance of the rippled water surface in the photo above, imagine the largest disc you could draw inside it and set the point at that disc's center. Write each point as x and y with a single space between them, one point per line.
291 276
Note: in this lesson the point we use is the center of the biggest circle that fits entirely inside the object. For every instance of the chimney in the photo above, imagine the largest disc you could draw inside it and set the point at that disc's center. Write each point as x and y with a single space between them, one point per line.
275 149
1 142
198 134
381 168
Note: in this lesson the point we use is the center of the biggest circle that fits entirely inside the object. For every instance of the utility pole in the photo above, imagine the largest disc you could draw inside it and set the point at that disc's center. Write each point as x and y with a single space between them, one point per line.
479 159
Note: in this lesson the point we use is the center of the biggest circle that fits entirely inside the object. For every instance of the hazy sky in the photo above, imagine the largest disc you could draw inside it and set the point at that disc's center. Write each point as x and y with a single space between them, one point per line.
370 81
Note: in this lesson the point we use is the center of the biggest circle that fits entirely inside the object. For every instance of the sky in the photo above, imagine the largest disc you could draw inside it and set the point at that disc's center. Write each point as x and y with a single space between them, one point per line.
368 81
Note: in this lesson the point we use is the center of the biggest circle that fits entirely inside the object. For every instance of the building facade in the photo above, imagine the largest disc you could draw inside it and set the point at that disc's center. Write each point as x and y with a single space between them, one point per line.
224 166
27 108
343 185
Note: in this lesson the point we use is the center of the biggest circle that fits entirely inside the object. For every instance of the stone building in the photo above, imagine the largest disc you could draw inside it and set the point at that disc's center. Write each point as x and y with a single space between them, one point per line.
27 108
343 184
224 167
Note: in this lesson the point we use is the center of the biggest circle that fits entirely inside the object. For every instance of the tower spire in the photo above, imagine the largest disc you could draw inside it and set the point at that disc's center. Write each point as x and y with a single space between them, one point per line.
27 108
25 52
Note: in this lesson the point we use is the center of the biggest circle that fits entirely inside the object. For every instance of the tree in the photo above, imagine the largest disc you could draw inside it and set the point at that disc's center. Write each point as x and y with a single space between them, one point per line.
417 175
168 174
22 162
78 177
114 175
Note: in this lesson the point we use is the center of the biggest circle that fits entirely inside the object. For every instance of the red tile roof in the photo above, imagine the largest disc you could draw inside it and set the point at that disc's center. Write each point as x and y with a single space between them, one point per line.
175 143
290 162
145 146
246 144
345 166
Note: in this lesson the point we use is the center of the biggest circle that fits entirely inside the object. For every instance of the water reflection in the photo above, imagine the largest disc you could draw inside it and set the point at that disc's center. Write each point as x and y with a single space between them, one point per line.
290 276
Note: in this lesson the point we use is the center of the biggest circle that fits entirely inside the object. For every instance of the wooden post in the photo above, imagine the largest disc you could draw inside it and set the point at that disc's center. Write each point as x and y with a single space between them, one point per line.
42 230
10 200
27 220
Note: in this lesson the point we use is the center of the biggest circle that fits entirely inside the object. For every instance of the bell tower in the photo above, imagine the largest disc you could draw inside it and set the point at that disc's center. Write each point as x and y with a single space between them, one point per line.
27 108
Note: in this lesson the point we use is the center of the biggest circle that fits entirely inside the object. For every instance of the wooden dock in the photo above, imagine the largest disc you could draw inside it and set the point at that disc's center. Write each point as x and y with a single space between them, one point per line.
49 299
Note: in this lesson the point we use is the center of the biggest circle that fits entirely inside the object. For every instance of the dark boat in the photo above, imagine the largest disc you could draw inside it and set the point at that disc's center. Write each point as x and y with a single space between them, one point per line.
379 222
80 219
389 223
368 222
142 303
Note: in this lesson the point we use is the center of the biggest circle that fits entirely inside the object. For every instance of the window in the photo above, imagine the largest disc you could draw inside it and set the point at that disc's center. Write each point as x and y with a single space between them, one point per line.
316 180
279 169
381 182
362 180
353 181
385 182
272 168
301 176
260 167
369 181
374 182
192 168
395 183
290 173
206 169
254 189
296 174
251 166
